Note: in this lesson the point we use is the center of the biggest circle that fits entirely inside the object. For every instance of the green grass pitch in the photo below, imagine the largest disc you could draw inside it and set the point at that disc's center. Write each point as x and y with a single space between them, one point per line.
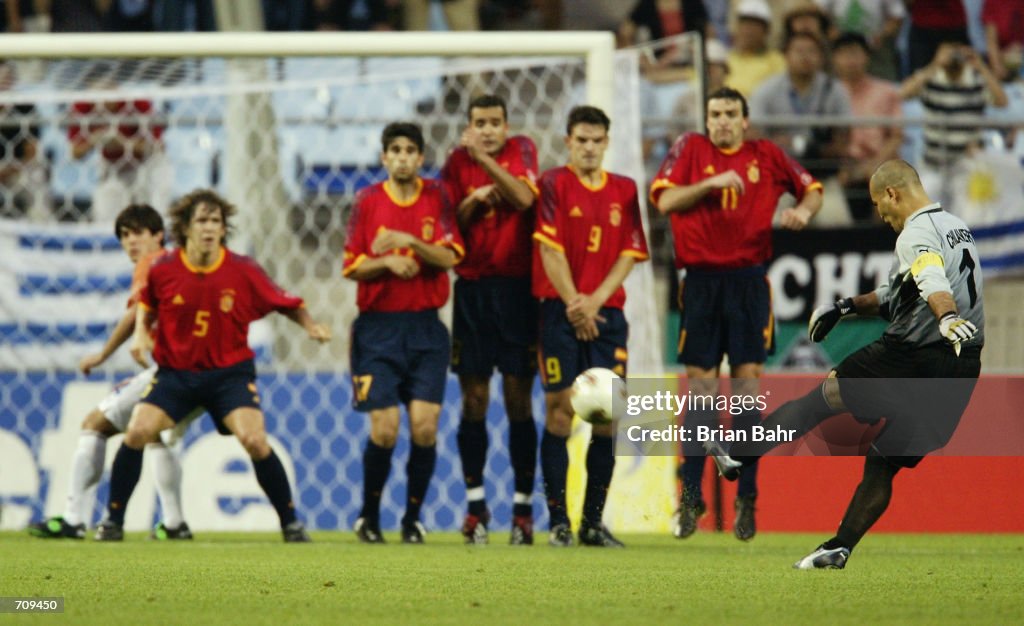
253 578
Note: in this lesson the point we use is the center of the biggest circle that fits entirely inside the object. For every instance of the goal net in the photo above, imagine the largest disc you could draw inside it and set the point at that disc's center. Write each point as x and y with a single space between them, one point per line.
287 128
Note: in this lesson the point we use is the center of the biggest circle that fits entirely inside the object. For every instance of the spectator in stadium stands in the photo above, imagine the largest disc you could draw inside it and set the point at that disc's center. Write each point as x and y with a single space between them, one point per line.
806 17
76 16
126 136
751 60
1004 36
688 105
19 153
194 314
343 15
879 22
402 240
492 181
135 16
720 192
588 236
805 90
933 22
956 83
652 20
460 14
869 147
919 375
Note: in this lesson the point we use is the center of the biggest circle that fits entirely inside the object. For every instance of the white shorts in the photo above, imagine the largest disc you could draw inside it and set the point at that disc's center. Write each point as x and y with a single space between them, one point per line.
118 405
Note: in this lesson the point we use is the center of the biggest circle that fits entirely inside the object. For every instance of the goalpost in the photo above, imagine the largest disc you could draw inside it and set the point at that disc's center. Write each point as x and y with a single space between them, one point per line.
287 126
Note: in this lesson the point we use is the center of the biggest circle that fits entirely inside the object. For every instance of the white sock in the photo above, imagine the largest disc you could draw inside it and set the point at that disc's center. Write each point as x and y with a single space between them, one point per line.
86 470
167 467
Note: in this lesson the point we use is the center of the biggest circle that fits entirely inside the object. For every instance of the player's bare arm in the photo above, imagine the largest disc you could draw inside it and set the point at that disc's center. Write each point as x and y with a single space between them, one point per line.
400 265
586 307
471 204
431 254
685 198
556 266
315 330
142 338
121 333
512 189
797 218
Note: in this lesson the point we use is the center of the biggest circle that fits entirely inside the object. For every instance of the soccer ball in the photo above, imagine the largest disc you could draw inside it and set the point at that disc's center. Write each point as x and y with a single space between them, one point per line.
593 395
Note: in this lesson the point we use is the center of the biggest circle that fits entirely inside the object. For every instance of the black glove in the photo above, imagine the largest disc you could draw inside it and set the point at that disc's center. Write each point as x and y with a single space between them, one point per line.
824 318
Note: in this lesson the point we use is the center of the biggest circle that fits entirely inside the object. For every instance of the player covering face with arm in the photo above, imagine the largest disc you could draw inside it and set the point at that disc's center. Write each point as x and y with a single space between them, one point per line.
491 177
204 297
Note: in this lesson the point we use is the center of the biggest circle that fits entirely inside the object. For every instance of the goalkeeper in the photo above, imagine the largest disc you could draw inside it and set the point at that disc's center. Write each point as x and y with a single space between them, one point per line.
919 375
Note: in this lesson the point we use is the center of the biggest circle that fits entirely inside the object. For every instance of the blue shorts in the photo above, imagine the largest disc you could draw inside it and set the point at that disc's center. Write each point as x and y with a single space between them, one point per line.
725 312
494 325
220 391
397 358
563 357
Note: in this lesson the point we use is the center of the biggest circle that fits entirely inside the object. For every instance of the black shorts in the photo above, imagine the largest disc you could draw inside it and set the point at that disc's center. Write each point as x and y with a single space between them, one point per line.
563 357
220 391
397 358
725 312
494 325
920 392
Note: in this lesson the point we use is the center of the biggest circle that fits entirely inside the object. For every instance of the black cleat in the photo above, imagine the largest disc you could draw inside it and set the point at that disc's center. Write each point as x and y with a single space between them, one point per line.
744 526
728 467
684 520
109 531
598 535
522 531
474 529
294 533
368 532
823 558
413 532
161 532
57 528
560 536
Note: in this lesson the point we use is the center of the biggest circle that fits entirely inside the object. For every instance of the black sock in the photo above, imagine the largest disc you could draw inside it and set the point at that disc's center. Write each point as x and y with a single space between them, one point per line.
472 440
418 471
800 415
124 475
747 484
691 472
522 450
600 465
554 463
869 501
272 478
376 467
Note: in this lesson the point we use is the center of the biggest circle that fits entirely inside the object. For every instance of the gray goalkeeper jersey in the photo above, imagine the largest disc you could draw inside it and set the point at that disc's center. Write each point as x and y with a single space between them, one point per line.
934 253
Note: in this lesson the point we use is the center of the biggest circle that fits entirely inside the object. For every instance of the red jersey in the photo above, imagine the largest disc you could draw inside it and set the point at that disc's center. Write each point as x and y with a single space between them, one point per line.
497 240
140 276
132 119
203 315
727 229
592 226
428 216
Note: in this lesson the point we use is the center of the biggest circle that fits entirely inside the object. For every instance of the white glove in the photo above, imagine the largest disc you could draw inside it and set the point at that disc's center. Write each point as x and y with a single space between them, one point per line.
956 329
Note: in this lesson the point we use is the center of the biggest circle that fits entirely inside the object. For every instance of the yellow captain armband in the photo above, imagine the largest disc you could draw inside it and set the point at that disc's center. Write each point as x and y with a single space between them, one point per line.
926 259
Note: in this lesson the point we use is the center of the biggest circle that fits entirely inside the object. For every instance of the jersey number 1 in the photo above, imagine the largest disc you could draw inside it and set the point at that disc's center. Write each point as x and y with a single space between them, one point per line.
967 263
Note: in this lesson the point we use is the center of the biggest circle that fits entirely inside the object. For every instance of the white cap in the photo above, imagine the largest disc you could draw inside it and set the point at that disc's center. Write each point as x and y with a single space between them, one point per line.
755 9
716 52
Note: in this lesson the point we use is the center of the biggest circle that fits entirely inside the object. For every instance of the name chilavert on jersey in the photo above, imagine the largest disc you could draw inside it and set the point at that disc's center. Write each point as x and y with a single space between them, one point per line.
958 235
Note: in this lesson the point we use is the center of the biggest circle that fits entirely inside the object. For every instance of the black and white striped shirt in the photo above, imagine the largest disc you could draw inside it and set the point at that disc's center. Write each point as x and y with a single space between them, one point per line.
943 99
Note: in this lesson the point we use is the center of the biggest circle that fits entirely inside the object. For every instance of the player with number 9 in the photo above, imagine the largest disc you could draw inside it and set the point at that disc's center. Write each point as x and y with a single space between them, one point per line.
589 235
